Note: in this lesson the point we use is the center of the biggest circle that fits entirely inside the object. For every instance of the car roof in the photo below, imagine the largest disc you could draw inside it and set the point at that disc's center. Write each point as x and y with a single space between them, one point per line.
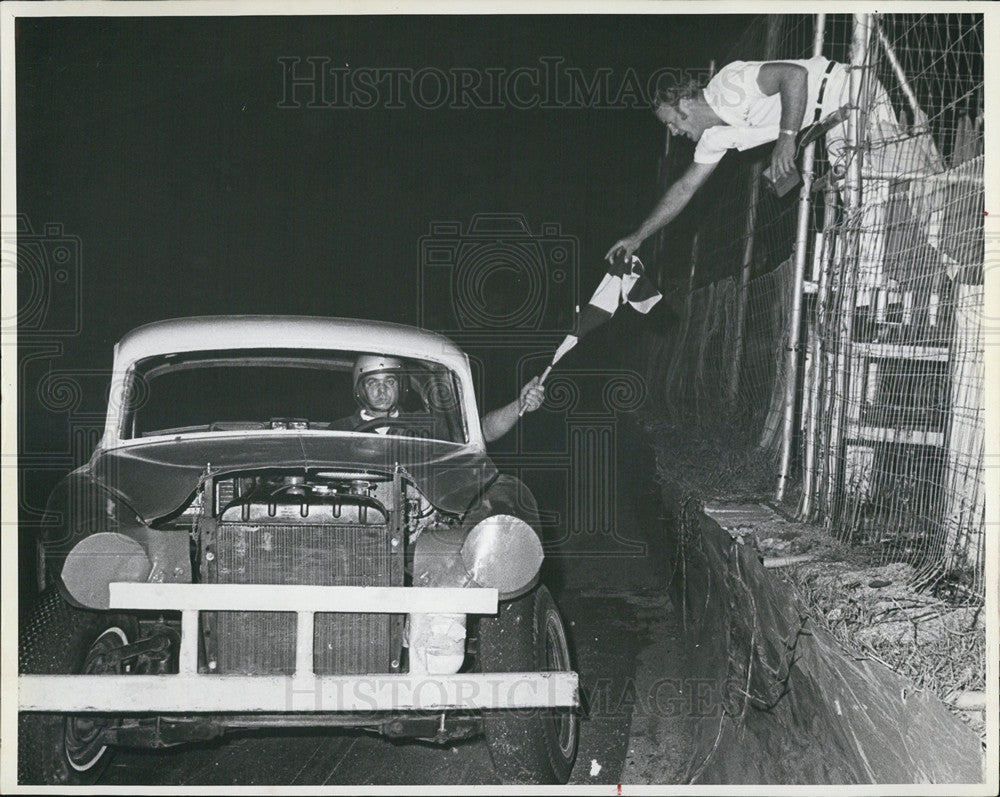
214 333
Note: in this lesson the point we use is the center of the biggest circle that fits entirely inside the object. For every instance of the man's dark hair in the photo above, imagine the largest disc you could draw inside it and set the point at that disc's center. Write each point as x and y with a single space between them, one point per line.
670 92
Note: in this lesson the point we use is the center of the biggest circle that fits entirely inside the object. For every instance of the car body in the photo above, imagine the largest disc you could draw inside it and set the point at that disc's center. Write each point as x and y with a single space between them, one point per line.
234 556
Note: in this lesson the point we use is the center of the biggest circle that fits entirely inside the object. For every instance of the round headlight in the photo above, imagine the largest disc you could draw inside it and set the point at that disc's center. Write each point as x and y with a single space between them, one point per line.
503 552
97 561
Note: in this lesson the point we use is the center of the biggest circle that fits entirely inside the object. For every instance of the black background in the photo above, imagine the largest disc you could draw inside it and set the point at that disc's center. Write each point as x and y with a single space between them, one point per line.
157 148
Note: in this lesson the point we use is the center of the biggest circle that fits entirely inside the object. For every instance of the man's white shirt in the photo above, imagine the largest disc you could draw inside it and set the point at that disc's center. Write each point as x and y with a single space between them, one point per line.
753 118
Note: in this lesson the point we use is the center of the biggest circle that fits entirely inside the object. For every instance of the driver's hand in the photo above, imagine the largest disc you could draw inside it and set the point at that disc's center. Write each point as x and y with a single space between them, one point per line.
626 245
783 157
532 396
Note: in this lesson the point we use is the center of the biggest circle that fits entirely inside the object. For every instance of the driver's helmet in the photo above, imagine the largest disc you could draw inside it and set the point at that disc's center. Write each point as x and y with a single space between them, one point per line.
370 364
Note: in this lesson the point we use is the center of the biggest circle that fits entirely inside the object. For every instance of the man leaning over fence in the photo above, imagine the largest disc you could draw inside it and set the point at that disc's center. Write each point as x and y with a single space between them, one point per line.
747 104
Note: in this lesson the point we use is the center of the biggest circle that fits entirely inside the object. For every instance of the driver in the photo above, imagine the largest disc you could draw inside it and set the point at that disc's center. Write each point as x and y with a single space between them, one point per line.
381 385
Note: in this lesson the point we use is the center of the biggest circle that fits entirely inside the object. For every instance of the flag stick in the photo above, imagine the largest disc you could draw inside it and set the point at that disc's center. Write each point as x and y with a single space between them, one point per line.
541 381
620 285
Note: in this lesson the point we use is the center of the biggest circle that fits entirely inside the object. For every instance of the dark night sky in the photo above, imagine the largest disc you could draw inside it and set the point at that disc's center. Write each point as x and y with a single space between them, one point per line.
160 144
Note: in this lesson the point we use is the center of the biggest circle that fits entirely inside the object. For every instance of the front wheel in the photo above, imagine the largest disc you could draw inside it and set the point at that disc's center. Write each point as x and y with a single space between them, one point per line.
60 639
532 746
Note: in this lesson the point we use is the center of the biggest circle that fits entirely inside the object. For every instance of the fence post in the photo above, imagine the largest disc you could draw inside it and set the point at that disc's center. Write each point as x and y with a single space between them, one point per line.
794 327
815 379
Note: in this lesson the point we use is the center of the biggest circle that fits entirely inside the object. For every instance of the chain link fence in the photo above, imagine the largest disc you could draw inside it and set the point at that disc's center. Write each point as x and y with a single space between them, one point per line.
887 440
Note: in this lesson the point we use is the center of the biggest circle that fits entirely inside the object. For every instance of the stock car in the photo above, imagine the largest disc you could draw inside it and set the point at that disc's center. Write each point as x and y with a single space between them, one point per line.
228 560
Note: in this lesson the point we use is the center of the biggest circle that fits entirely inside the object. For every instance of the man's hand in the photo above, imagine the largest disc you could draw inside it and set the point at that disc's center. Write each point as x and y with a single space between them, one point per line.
783 157
532 396
500 421
673 201
626 245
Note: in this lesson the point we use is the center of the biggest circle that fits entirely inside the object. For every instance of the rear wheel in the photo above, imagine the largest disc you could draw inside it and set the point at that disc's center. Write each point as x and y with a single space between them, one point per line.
60 639
533 745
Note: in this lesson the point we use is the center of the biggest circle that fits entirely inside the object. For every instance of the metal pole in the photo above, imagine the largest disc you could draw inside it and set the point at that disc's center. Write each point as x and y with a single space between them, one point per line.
859 103
794 327
809 478
920 123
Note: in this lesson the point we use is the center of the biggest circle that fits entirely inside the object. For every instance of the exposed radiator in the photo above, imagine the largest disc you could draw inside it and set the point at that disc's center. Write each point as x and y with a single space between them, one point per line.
296 553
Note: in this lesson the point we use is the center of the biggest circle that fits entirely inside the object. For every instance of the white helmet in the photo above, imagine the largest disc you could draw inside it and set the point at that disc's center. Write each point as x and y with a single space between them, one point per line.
370 364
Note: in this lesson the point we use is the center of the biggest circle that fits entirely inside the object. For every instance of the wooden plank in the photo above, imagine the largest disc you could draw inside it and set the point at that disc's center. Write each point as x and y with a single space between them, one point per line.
302 597
898 351
887 434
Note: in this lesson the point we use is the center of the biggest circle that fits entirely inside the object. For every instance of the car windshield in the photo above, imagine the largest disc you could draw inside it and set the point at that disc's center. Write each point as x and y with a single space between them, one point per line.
251 390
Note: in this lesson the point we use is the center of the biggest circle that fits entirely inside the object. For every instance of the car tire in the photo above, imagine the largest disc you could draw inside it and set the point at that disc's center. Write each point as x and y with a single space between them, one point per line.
528 746
57 638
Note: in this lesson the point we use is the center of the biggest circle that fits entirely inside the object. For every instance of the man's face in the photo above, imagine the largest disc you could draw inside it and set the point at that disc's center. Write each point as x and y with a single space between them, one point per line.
677 122
380 392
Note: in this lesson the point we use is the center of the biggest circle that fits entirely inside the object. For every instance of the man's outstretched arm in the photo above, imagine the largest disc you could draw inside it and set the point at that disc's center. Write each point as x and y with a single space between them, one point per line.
791 82
498 422
670 205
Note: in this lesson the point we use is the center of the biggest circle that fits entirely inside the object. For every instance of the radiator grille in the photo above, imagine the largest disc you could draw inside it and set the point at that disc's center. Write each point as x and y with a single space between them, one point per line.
330 555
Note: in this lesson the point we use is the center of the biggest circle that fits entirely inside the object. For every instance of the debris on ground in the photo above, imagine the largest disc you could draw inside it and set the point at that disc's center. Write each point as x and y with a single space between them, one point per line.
880 612
876 610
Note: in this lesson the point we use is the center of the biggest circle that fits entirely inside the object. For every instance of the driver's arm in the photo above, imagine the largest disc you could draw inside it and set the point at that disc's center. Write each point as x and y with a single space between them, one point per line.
498 422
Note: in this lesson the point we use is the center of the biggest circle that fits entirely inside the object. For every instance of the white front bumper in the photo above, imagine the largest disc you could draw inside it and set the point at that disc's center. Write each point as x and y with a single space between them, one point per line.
192 692
201 694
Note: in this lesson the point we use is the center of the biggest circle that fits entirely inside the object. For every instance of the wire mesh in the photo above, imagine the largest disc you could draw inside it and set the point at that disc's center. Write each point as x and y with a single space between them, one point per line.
889 439
903 328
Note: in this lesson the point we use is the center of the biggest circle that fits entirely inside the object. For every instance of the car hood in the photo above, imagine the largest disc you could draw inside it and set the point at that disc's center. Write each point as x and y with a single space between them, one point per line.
157 478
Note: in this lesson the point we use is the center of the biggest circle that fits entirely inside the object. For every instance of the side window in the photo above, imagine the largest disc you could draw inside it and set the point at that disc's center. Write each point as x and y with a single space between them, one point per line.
130 404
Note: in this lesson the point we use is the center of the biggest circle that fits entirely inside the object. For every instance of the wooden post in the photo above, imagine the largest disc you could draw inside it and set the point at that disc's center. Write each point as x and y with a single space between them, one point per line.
964 488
